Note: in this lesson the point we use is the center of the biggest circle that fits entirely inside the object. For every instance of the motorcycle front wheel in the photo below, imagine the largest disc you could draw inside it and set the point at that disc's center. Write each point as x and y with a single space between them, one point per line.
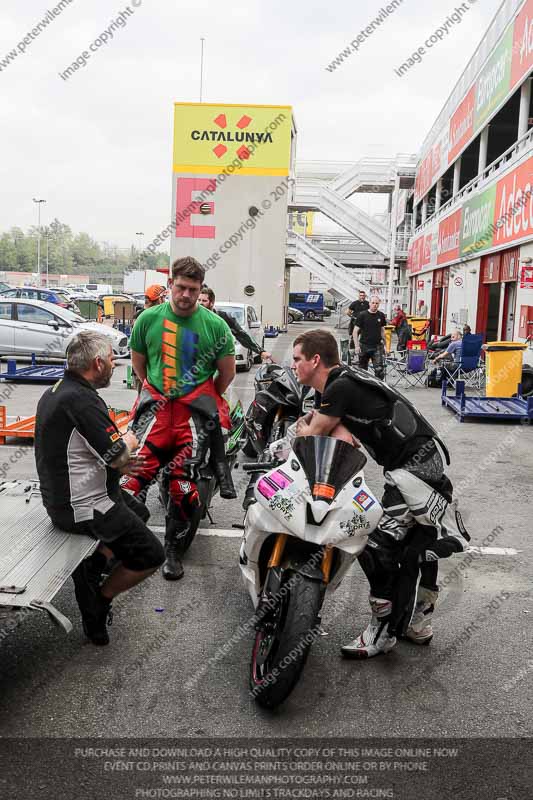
281 648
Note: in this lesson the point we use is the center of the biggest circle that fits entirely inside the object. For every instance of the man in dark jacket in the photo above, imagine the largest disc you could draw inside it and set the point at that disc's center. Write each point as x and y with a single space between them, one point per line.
207 300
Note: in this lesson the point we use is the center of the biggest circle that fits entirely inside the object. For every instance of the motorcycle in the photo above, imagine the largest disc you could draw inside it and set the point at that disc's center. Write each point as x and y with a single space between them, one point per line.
200 468
312 519
278 402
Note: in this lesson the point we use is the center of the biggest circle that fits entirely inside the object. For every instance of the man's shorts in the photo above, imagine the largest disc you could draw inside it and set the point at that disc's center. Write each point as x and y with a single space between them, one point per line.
124 531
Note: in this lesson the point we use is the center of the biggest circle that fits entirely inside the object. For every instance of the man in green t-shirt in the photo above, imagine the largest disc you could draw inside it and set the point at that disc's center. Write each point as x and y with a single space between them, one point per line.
180 351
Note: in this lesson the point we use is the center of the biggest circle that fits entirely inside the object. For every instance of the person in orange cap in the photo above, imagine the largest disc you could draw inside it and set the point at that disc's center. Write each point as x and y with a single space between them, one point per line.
154 295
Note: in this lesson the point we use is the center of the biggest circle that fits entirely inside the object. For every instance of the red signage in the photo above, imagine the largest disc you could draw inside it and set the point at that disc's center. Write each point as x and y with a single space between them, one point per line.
526 277
513 209
414 263
429 168
462 125
522 44
425 260
420 284
449 241
186 204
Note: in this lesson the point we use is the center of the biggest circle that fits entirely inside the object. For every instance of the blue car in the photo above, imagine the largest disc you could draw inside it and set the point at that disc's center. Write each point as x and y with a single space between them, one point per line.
55 296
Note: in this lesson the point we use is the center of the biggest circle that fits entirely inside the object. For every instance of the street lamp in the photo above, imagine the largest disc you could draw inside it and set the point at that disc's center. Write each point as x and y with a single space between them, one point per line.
140 234
39 238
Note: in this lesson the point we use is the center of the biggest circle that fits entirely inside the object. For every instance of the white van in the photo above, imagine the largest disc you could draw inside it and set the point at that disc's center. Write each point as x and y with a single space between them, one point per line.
247 318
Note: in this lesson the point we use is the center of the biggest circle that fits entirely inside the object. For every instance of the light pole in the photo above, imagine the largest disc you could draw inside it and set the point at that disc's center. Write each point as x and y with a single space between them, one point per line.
39 238
140 234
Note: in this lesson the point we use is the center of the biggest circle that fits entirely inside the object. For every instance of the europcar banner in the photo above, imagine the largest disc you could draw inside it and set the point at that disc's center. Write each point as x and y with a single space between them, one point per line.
477 224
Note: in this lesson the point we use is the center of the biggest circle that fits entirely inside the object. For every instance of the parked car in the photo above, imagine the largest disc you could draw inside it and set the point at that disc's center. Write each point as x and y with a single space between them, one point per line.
31 326
310 303
4 286
294 315
247 318
55 296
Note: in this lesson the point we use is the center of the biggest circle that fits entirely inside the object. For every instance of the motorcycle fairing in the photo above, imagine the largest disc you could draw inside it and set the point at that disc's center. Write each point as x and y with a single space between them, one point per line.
343 524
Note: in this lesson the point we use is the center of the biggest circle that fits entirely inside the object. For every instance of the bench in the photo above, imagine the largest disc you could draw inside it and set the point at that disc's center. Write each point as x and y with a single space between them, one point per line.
36 558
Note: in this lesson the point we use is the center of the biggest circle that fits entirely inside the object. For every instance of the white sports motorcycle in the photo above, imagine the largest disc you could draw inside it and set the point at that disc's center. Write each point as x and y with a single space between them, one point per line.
311 520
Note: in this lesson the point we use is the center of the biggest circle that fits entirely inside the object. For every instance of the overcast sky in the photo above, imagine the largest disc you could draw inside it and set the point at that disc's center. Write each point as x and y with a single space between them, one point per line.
98 146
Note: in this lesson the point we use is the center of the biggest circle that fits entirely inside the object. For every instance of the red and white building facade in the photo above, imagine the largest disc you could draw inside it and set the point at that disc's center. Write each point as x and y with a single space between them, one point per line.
471 255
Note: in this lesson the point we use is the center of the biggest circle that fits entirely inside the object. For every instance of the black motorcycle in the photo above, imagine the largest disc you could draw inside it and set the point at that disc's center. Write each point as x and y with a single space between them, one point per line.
279 401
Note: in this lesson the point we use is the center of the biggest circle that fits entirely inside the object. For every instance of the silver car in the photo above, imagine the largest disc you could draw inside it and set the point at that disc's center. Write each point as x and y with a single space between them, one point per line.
31 326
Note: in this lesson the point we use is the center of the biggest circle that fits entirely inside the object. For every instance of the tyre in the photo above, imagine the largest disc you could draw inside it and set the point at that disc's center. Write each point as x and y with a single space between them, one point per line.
280 652
290 318
310 315
249 361
527 384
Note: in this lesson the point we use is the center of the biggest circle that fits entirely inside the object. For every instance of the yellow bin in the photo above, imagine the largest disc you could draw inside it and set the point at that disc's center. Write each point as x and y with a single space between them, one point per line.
419 326
504 367
388 337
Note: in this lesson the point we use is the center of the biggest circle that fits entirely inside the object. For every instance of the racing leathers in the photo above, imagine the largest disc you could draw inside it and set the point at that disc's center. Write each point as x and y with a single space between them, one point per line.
181 358
420 523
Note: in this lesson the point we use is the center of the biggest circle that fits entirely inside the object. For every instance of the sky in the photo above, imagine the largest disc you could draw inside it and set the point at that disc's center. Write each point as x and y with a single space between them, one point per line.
98 145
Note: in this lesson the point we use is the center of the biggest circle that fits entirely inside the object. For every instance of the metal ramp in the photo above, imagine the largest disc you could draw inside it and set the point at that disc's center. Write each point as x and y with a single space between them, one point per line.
36 558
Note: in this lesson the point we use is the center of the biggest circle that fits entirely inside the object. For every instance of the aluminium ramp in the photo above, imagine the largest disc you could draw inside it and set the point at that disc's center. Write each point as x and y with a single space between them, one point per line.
36 558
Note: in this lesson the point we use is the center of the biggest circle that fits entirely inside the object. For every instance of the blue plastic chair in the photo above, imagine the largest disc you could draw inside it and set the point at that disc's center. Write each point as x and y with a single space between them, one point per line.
469 368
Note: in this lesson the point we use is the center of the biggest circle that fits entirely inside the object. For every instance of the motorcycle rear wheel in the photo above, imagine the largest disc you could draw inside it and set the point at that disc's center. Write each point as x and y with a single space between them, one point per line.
279 656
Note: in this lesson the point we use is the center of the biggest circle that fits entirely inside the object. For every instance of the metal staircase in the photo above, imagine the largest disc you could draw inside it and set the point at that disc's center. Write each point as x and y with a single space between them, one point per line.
337 278
314 195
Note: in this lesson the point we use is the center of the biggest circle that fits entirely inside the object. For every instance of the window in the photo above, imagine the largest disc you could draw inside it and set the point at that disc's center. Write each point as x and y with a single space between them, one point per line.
9 293
29 294
253 315
34 314
45 296
5 310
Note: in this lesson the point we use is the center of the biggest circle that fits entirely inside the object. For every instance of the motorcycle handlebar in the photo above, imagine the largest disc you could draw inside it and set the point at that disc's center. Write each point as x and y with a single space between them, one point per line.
264 466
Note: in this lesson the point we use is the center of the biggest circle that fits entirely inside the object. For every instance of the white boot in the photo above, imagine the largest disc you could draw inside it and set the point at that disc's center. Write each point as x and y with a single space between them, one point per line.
420 630
375 638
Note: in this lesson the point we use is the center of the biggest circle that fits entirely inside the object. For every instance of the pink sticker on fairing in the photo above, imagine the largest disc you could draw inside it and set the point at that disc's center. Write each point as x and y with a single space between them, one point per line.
266 489
270 484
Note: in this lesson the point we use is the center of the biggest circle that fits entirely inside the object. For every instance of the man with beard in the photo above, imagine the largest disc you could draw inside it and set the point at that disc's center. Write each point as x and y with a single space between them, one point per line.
80 455
184 354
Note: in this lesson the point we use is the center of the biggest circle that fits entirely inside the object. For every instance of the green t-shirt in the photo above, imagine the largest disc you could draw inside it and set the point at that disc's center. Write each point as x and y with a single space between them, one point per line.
181 352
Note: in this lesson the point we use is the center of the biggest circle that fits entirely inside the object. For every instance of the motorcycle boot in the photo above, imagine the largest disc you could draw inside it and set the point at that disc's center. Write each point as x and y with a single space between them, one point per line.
375 638
175 532
420 630
225 480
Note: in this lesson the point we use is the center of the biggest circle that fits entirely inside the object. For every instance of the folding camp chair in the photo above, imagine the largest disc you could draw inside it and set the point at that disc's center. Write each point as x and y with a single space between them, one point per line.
470 368
407 367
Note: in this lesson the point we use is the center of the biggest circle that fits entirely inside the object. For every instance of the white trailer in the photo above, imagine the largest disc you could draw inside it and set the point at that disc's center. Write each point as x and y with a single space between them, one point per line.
136 281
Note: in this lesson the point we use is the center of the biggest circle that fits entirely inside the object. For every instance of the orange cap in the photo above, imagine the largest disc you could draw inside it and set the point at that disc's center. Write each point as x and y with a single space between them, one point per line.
154 292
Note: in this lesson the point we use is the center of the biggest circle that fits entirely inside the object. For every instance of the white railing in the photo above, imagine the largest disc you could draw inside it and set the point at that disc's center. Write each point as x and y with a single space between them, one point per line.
314 195
512 154
503 17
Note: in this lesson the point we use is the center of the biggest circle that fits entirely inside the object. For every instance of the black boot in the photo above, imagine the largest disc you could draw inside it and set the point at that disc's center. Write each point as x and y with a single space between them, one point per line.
224 480
173 568
249 496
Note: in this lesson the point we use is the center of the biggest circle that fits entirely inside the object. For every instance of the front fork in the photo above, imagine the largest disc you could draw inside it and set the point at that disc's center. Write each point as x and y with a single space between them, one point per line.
269 601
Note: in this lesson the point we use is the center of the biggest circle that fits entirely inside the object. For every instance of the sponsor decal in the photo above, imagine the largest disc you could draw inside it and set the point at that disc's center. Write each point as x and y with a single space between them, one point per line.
357 523
494 82
363 501
115 437
477 228
272 483
462 125
185 486
436 507
284 505
513 212
522 44
449 237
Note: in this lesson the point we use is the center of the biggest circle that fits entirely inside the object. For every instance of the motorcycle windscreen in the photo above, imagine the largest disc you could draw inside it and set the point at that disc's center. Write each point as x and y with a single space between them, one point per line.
328 464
